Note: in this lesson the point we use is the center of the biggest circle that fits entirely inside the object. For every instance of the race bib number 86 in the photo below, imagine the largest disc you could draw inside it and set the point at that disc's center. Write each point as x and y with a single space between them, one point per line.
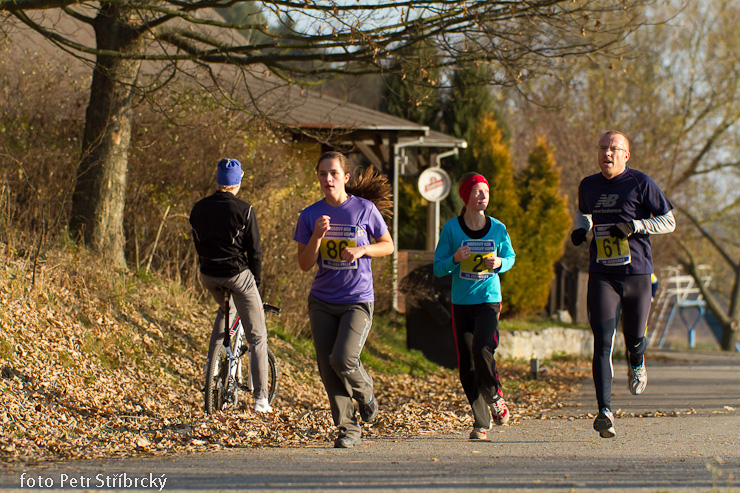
339 237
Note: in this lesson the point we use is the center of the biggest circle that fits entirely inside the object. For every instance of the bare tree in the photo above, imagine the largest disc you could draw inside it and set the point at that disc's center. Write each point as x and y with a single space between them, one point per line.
307 42
677 97
729 317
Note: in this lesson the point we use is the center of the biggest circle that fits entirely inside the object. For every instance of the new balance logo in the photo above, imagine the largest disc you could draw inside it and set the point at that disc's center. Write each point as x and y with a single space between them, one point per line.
606 200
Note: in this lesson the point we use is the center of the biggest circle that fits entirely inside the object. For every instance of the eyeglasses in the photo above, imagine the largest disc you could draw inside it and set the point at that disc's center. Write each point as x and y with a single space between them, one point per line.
613 149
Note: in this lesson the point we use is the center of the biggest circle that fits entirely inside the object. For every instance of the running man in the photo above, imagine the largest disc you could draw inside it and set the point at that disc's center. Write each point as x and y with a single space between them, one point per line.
622 207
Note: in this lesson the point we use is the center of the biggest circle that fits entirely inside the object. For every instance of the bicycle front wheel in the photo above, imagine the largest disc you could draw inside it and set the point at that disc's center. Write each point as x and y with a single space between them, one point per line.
217 375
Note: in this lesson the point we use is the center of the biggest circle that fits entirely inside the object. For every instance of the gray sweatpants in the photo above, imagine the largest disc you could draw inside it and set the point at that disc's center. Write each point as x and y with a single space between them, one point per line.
246 301
339 334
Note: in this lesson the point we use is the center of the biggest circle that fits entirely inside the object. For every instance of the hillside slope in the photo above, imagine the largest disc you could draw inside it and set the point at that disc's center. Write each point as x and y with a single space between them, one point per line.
97 363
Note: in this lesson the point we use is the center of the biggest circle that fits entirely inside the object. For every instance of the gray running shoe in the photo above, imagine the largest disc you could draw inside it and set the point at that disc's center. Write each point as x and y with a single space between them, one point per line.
604 424
636 377
345 441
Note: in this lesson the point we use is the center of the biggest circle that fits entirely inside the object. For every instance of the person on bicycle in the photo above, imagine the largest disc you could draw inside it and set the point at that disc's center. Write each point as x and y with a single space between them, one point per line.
335 234
227 240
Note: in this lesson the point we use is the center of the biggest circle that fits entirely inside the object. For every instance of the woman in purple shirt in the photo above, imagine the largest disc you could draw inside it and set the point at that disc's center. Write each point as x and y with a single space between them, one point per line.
335 234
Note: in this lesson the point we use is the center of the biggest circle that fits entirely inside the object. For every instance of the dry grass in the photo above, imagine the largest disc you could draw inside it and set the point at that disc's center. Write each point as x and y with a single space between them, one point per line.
100 364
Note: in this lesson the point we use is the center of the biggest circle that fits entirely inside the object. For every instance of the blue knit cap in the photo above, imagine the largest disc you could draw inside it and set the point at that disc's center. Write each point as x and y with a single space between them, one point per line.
229 173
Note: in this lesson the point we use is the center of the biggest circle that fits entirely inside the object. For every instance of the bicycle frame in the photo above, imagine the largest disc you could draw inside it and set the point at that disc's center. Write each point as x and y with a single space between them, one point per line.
236 330
234 359
224 376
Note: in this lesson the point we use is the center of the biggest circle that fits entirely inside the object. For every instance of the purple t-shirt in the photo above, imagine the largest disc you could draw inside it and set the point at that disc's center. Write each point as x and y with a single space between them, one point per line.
352 224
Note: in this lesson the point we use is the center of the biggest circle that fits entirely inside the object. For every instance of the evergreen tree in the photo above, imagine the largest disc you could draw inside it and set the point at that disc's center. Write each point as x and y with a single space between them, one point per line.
412 216
532 208
466 102
492 157
539 233
419 103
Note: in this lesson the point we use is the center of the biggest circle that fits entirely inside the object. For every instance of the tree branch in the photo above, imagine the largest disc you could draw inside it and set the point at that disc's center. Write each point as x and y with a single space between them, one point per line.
693 165
21 5
712 303
706 234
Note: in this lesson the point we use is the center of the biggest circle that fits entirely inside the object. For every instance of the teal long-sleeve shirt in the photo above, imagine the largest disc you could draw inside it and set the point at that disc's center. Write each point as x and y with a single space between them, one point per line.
471 283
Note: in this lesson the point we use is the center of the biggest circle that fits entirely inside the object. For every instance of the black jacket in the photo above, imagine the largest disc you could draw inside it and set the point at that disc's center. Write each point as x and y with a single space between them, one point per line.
226 236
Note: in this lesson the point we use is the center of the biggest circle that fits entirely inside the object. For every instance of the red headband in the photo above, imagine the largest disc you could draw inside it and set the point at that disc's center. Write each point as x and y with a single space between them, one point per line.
468 184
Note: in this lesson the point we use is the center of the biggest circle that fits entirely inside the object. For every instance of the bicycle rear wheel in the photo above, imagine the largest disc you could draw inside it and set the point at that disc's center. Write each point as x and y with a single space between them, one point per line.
273 381
217 375
273 374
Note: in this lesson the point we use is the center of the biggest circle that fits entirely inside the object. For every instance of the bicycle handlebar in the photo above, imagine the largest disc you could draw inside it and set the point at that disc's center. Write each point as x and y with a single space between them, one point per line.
271 309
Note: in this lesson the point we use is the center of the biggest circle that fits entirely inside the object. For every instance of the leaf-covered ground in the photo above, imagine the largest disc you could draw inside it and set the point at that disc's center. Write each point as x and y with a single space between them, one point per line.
101 365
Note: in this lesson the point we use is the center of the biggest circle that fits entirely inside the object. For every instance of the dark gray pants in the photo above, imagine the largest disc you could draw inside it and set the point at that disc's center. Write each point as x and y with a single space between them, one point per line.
339 334
246 301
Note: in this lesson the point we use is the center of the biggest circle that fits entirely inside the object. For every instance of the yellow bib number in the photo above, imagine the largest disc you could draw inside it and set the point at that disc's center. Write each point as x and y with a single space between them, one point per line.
337 239
476 263
474 267
331 248
611 250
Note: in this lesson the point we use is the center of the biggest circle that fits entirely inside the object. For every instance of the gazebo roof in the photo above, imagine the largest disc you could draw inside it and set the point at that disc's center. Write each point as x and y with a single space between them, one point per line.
315 114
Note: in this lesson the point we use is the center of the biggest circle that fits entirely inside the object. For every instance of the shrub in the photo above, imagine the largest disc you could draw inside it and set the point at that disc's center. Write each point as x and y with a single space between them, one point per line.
532 208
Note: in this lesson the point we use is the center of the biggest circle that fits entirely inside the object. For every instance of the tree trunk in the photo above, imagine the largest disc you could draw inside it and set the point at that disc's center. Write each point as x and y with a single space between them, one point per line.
731 333
100 190
730 337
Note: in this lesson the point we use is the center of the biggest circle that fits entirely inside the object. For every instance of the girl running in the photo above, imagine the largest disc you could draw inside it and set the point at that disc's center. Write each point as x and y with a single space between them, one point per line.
335 234
475 249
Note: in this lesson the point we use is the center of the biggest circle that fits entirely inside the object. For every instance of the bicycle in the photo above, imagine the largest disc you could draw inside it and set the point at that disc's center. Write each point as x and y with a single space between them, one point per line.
224 375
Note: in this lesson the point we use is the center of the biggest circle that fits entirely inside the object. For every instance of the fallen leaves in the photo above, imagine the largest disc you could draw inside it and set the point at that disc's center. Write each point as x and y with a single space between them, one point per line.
84 376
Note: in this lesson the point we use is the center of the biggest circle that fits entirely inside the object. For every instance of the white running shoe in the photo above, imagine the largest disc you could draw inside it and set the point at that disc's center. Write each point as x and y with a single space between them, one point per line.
636 377
478 434
499 412
262 406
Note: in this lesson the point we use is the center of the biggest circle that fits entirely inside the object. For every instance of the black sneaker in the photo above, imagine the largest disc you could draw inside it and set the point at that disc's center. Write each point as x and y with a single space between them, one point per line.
604 424
345 441
369 411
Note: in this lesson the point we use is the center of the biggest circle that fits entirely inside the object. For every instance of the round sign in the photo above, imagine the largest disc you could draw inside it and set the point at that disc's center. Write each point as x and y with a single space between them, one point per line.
434 184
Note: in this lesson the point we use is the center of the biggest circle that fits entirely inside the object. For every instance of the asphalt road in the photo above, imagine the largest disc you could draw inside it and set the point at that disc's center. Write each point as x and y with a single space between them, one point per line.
682 435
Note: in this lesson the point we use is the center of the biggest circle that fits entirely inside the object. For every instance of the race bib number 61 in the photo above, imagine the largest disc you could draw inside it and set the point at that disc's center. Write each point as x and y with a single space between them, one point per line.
610 250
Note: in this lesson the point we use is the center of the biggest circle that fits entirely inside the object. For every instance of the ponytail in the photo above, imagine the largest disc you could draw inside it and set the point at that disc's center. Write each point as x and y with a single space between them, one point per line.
374 187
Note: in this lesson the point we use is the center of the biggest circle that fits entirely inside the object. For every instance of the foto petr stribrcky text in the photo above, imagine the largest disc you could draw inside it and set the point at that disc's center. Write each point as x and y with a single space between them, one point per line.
98 481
